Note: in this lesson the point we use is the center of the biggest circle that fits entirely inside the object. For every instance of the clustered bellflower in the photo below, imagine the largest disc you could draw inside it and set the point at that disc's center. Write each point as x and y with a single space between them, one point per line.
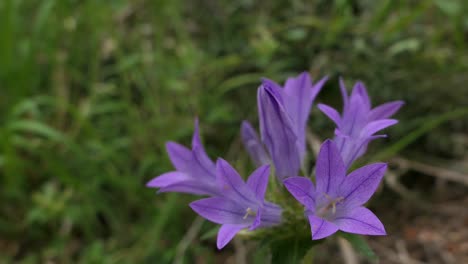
335 202
242 204
283 114
195 171
359 122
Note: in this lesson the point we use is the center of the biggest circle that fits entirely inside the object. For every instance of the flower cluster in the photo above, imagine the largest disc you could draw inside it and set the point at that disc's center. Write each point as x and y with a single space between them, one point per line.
334 202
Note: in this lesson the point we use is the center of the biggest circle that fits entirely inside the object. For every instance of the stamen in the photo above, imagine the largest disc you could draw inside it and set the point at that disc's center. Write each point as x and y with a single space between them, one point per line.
248 212
330 205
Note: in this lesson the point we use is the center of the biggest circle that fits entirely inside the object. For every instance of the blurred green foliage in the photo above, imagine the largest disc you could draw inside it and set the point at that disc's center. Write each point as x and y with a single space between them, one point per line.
91 90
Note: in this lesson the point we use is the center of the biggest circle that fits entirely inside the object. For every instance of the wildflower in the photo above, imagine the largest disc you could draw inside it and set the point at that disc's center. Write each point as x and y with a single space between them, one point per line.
195 172
241 205
335 203
359 122
283 115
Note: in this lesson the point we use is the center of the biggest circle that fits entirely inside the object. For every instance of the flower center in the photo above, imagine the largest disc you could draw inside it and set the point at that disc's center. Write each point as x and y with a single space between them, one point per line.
248 212
329 208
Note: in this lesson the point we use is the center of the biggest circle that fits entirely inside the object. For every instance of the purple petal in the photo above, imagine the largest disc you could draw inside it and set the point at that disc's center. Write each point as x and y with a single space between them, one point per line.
355 148
253 145
258 220
320 228
196 141
232 185
271 214
168 179
331 113
180 156
360 185
361 91
376 126
338 133
299 94
385 110
221 211
258 181
361 221
344 94
226 233
274 88
201 165
354 117
302 189
192 187
277 133
330 170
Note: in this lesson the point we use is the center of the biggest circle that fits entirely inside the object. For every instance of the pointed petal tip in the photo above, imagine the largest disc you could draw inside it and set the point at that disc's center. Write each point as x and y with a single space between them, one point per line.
245 123
331 113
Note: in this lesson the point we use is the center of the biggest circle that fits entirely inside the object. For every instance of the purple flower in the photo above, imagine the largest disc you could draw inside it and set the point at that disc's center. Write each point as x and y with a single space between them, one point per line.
241 204
195 173
359 122
283 115
335 203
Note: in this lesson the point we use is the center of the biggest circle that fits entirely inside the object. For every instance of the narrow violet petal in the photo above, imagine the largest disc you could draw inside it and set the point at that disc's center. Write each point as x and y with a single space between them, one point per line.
330 113
297 103
320 228
180 156
232 185
375 126
360 185
258 181
354 117
360 90
277 133
329 170
271 214
338 133
344 93
299 95
253 145
302 189
386 110
167 179
221 211
361 221
196 187
258 220
226 233
196 141
318 87
357 149
201 167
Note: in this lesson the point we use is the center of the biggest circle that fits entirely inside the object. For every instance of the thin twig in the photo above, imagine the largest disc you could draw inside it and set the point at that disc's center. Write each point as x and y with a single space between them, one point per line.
432 170
349 255
392 181
241 251
187 239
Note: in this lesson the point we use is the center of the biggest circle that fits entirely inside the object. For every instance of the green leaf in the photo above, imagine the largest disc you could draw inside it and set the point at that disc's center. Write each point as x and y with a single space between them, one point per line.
37 128
360 245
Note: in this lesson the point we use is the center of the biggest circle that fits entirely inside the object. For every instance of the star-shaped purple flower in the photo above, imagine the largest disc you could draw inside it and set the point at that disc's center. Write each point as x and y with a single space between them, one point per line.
359 122
283 114
335 203
195 172
241 205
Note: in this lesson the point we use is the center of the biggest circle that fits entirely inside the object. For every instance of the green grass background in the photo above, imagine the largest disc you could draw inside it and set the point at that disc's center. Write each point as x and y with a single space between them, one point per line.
91 90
